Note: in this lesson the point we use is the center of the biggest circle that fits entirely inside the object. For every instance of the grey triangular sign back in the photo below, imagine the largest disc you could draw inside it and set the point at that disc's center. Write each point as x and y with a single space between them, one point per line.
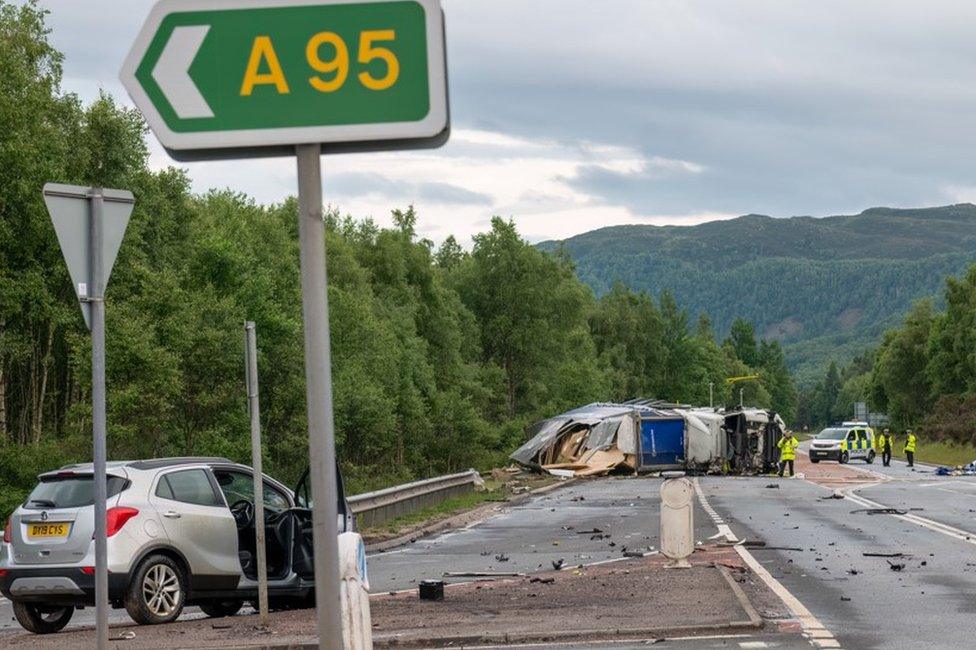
70 210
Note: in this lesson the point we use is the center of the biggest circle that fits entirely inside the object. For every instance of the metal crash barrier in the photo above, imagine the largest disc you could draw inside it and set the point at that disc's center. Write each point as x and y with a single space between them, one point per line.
383 505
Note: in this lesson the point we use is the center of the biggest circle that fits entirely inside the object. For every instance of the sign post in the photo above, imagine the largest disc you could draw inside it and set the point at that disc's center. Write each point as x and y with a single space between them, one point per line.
90 223
254 410
242 78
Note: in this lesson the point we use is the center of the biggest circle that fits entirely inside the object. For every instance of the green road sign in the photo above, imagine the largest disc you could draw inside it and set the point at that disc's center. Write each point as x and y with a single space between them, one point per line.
213 77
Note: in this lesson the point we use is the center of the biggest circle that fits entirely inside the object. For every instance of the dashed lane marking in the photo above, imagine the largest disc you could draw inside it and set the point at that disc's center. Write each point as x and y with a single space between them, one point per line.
813 629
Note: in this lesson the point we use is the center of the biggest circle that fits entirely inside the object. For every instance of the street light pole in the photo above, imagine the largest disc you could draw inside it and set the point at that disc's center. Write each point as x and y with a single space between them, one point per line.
711 400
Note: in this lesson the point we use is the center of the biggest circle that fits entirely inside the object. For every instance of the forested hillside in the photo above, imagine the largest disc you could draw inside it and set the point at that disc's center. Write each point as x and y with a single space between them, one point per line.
923 373
826 288
441 355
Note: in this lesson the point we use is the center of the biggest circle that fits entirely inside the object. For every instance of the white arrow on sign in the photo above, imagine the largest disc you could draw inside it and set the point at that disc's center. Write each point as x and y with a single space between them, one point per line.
172 72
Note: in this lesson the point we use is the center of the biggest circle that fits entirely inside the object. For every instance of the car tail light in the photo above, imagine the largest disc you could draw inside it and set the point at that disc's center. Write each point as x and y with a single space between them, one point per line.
8 531
116 518
3 572
88 570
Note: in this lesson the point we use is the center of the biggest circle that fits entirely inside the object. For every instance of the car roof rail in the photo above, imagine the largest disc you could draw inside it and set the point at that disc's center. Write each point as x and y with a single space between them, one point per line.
158 463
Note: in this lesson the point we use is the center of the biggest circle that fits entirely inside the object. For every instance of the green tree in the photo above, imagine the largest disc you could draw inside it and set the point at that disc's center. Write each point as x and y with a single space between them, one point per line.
899 381
742 336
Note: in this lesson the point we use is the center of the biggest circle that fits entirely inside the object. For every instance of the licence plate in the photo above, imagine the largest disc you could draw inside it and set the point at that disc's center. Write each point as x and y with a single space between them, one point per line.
54 529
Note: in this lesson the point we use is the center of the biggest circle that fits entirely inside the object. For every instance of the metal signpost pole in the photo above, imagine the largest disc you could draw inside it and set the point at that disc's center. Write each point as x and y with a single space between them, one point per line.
711 401
96 299
254 409
318 391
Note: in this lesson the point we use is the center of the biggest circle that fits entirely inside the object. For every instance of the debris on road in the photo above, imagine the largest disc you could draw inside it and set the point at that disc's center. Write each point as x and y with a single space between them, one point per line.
482 574
834 495
896 566
590 531
772 486
544 581
501 557
886 554
879 511
558 564
126 635
431 590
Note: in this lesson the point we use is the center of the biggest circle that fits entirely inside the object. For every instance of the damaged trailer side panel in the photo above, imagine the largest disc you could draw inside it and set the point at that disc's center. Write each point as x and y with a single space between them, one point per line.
662 443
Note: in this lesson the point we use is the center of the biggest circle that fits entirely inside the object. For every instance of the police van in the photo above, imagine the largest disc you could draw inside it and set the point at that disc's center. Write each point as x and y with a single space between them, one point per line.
844 443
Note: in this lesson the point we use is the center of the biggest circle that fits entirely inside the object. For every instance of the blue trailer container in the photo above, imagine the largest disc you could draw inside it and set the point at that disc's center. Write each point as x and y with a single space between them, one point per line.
662 442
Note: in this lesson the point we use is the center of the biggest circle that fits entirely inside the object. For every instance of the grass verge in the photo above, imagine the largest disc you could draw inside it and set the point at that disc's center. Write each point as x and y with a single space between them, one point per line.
939 452
495 491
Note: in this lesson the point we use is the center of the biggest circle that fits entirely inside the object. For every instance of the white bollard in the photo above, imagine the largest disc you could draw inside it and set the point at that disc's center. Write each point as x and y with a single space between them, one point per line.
357 627
677 519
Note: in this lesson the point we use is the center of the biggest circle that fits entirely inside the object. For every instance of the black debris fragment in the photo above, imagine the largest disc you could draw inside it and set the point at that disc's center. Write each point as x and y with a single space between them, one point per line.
846 599
558 564
431 590
886 554
501 557
579 498
772 486
896 566
591 531
544 581
879 511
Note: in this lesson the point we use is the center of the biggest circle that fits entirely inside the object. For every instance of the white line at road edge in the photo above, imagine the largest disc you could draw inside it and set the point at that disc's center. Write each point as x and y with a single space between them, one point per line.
813 629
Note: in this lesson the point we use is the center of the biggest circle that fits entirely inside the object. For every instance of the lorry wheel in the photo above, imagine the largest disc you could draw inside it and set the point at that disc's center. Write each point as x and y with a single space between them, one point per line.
870 457
42 619
844 457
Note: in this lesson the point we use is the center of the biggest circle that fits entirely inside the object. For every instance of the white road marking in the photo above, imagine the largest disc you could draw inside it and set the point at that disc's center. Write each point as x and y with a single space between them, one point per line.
945 529
576 644
813 629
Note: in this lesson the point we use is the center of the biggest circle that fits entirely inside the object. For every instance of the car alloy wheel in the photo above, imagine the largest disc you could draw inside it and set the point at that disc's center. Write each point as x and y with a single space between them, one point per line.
161 590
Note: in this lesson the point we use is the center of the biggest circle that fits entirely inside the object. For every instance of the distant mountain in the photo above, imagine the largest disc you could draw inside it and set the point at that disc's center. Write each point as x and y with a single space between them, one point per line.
825 287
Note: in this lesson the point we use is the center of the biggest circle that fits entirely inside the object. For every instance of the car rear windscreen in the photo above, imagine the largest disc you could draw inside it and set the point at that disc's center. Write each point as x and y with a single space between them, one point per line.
70 491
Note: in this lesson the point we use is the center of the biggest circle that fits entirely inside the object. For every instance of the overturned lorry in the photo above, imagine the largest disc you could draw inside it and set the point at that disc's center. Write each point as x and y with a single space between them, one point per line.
644 436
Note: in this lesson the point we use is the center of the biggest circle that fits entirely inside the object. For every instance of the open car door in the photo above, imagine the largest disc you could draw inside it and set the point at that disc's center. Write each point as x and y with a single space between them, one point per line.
303 556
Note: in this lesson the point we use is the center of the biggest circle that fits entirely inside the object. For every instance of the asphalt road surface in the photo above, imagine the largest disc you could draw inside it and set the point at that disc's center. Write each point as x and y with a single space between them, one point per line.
850 600
929 603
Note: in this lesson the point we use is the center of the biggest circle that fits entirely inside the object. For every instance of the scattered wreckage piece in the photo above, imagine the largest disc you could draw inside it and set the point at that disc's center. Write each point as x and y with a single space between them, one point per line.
482 574
431 590
887 555
881 511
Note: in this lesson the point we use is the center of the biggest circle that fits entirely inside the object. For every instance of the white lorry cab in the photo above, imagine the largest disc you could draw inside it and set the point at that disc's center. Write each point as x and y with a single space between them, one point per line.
844 443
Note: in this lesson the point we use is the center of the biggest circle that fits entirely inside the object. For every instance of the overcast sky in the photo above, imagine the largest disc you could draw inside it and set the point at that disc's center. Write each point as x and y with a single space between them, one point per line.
569 115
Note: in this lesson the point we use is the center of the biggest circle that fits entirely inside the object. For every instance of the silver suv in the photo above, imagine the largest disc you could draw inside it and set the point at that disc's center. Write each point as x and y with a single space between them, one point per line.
180 531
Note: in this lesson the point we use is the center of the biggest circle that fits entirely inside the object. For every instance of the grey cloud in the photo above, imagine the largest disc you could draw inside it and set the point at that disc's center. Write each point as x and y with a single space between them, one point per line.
355 184
812 106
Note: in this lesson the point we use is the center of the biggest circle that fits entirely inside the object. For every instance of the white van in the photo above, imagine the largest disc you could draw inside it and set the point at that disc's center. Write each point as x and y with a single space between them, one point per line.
844 443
